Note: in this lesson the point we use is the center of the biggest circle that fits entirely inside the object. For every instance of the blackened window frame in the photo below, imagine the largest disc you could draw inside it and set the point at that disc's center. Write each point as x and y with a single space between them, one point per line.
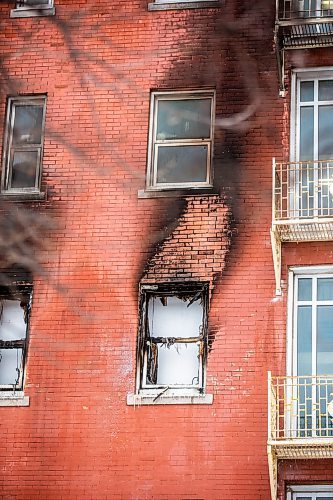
17 292
9 148
200 289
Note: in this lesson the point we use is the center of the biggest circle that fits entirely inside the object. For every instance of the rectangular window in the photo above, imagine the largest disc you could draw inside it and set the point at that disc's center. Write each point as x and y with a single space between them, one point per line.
310 492
172 345
312 8
14 319
311 353
22 163
33 8
181 140
311 173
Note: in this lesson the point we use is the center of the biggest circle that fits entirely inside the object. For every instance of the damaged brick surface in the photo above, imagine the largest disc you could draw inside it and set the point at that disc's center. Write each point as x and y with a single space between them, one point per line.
196 250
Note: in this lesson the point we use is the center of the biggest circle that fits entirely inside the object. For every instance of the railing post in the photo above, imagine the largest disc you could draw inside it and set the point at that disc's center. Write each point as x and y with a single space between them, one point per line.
269 387
273 189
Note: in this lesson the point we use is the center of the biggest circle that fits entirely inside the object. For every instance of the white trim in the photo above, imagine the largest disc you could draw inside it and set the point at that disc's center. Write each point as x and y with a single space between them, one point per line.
312 490
291 340
17 399
175 399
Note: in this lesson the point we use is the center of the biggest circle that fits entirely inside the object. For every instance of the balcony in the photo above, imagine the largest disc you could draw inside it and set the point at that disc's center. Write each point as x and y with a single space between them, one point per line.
305 23
301 24
302 205
300 420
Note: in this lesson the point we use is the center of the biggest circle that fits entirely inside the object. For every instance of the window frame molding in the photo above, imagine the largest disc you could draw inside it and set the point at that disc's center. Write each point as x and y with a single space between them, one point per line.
298 75
308 489
41 10
163 394
12 102
291 341
154 144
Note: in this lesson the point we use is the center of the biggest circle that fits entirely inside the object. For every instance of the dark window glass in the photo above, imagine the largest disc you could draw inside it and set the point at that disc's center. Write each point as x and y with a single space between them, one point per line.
181 164
184 119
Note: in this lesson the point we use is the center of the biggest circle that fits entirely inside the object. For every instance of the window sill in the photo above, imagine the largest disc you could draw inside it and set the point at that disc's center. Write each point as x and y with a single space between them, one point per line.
174 193
200 4
181 399
14 400
24 12
22 197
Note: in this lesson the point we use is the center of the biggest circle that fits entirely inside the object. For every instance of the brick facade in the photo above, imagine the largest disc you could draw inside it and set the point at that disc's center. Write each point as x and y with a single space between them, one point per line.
98 61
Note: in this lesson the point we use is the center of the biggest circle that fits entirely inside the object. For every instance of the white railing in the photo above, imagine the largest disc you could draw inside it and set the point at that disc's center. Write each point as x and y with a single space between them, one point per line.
300 408
304 9
302 190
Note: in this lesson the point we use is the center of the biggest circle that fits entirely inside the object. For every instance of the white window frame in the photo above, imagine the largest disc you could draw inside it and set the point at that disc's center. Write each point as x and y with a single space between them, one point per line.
315 492
9 148
298 76
294 273
151 184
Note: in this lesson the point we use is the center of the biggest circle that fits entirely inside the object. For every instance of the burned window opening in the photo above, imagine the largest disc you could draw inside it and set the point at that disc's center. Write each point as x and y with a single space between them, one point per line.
172 346
15 304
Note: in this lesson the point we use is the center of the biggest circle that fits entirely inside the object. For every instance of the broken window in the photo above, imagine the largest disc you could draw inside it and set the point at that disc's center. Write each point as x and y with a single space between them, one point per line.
24 145
173 337
181 140
14 319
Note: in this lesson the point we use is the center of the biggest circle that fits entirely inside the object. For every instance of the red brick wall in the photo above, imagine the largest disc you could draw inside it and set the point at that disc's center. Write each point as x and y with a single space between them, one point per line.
97 61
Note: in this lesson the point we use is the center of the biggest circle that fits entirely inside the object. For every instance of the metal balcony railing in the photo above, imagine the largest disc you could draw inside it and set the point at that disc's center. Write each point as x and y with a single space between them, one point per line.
293 10
300 420
304 23
302 205
301 408
303 200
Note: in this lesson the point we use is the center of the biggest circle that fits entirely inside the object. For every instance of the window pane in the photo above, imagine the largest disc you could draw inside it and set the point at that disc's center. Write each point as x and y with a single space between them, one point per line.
325 132
325 288
38 2
306 133
180 164
24 169
324 340
178 364
28 123
306 91
305 289
325 91
184 119
304 341
12 324
174 317
10 366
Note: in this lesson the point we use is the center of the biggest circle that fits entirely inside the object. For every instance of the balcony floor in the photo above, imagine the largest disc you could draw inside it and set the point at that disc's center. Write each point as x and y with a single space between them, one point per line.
303 230
303 448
